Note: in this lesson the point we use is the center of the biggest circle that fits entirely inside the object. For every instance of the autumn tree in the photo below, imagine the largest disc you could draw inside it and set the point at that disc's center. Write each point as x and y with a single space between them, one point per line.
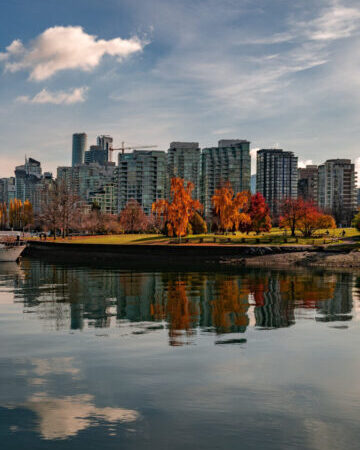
177 212
198 224
16 214
230 208
292 211
27 214
312 220
3 215
259 214
132 218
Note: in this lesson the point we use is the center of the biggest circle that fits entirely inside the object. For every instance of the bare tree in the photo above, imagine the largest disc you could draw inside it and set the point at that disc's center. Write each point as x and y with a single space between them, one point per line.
59 209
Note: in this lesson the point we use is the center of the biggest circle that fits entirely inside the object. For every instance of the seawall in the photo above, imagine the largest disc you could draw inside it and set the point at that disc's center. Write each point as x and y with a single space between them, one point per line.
156 256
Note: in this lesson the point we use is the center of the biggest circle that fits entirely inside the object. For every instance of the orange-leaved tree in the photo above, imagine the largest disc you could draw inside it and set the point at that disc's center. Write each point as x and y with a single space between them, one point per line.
292 211
28 214
3 215
231 208
312 220
15 213
178 211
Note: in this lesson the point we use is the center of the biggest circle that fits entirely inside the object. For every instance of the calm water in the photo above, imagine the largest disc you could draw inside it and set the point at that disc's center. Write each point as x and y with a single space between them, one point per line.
104 358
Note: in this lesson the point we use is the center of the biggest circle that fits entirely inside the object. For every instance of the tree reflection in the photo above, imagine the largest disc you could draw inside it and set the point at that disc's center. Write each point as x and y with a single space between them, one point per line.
229 308
65 297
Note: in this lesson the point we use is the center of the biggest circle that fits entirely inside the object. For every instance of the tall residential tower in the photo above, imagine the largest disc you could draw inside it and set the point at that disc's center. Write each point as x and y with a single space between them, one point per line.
229 162
184 162
276 177
142 175
79 145
337 189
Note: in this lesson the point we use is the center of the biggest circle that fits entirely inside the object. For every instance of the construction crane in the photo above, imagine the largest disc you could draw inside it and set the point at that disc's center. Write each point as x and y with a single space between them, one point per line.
123 148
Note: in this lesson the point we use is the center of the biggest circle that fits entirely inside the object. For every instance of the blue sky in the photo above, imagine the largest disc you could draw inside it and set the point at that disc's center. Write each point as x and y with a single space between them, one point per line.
276 72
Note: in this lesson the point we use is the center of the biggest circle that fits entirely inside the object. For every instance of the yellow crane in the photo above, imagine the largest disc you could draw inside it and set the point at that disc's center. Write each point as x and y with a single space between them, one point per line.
123 148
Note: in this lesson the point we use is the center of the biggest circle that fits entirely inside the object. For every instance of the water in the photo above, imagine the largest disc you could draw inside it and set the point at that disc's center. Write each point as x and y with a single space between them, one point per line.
103 358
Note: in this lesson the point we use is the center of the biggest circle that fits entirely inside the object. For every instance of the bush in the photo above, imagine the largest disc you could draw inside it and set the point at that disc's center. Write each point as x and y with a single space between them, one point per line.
198 224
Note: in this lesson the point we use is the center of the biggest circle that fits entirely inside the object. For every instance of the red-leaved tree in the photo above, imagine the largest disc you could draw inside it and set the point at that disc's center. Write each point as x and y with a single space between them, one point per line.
259 214
292 210
132 218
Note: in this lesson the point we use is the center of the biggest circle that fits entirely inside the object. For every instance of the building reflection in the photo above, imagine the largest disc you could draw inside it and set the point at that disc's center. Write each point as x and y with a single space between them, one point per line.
185 303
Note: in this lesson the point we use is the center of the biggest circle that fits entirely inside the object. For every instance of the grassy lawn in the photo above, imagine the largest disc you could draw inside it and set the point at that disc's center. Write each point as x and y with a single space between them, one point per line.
274 237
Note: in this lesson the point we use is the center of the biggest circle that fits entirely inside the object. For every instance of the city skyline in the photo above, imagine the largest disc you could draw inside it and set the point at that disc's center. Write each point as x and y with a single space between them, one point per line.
179 72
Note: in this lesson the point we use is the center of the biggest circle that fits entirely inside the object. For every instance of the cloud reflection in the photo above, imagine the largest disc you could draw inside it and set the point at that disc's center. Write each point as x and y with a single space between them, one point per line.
63 417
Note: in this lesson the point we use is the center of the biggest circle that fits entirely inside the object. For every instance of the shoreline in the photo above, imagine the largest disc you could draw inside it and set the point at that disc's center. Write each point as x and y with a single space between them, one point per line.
207 256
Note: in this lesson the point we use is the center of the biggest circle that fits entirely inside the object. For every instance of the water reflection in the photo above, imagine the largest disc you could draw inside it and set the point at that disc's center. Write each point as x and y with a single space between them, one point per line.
236 379
58 416
184 303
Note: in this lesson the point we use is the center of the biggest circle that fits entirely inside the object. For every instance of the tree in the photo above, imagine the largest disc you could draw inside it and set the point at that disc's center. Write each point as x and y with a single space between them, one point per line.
177 213
133 219
230 208
28 214
198 224
15 213
356 221
60 209
259 214
3 215
312 220
291 212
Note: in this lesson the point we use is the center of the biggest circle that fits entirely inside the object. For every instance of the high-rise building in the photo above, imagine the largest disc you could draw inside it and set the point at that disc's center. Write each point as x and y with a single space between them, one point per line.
276 177
142 175
106 198
358 197
41 191
84 179
308 183
184 162
229 162
79 145
96 154
7 190
337 189
26 178
105 142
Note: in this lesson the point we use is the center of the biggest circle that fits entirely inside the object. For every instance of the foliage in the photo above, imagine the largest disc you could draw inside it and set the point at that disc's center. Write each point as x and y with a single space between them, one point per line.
133 219
3 215
177 213
20 214
356 221
198 224
259 214
231 208
312 220
291 212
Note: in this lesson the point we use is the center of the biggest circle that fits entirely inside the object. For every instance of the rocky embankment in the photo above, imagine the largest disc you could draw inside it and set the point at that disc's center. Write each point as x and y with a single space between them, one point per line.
325 259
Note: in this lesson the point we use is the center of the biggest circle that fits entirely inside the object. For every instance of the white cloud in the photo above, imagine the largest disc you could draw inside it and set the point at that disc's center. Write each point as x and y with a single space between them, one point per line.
63 48
337 22
302 164
76 95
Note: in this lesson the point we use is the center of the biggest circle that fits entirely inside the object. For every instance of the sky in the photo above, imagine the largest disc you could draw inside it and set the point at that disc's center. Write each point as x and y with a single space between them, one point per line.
278 73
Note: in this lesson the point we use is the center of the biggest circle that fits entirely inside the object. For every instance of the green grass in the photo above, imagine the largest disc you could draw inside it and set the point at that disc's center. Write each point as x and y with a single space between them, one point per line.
274 237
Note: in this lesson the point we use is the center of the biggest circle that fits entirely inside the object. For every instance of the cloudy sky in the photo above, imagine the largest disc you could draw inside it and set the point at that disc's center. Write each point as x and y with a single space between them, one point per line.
276 72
